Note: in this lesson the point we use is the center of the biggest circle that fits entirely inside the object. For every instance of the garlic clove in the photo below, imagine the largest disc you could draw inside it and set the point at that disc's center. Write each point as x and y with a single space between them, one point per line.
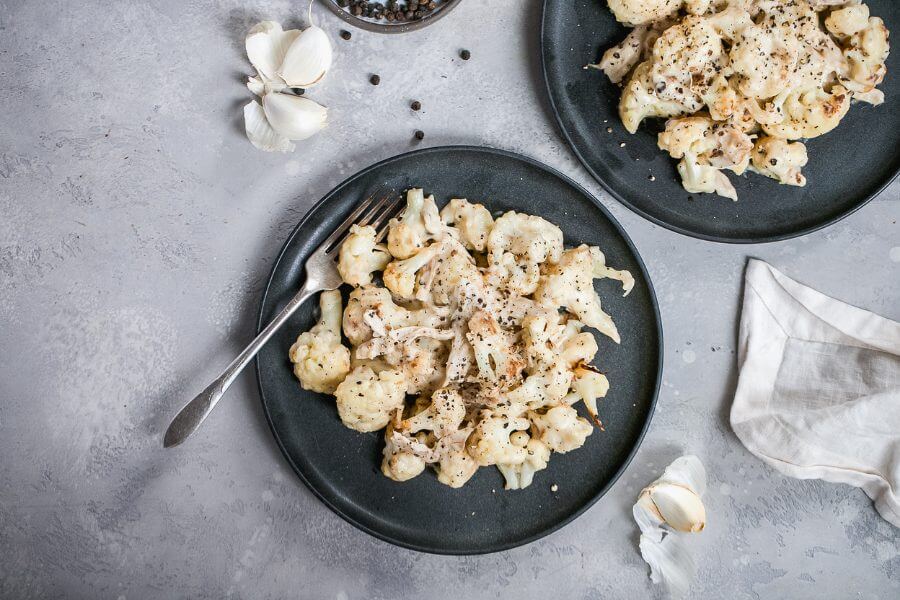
267 43
678 506
261 86
308 58
665 508
294 117
260 133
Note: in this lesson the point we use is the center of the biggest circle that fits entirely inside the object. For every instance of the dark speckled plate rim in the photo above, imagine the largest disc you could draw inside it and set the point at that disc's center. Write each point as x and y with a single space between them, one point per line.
656 314
695 234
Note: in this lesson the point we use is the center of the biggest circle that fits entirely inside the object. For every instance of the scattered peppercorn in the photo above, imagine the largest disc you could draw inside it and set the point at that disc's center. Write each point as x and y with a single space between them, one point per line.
420 135
416 105
465 54
375 79
299 91
346 34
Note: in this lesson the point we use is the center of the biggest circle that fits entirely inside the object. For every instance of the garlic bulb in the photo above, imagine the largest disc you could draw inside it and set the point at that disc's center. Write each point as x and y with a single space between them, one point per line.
294 117
260 133
308 59
669 505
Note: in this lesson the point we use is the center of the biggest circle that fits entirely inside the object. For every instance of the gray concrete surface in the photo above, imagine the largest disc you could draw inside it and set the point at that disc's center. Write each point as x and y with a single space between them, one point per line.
137 226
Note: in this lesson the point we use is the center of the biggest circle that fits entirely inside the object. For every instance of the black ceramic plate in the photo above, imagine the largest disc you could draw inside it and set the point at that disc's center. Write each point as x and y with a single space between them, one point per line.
847 167
341 466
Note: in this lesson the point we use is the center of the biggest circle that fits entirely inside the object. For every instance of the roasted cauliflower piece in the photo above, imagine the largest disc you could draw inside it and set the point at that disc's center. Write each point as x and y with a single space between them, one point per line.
365 400
372 310
399 463
490 442
704 147
497 358
517 246
618 61
419 224
810 113
473 221
570 284
847 21
779 159
588 385
537 457
443 415
560 428
642 12
320 360
403 277
360 256
641 100
866 54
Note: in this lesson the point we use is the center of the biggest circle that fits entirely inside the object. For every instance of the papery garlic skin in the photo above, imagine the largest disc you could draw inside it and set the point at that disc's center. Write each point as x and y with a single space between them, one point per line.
308 59
260 133
294 117
664 509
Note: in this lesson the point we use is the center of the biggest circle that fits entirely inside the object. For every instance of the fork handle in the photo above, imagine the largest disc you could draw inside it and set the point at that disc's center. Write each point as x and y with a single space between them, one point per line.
195 412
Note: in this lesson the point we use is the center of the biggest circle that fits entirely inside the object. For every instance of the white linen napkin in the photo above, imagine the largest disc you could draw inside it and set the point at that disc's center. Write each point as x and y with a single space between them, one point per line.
818 395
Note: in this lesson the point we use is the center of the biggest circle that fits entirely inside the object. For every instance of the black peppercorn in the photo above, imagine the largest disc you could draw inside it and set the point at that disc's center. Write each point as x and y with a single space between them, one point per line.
416 105
465 54
374 79
346 34
420 135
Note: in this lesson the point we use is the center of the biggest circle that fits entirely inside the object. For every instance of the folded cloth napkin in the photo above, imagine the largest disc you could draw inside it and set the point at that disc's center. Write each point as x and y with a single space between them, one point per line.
818 395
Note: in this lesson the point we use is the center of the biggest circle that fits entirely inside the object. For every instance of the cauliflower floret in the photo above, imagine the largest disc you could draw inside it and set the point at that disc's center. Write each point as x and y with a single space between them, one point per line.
867 52
810 113
443 416
419 352
320 361
569 284
419 224
588 385
780 160
360 255
847 21
602 271
686 60
520 476
539 337
561 428
403 277
763 62
371 308
489 443
720 145
698 178
473 221
399 463
618 61
641 12
640 100
452 267
496 356
517 245
365 400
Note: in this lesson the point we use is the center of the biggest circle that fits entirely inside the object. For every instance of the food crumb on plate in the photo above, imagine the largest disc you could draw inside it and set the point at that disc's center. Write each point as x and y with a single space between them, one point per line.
554 488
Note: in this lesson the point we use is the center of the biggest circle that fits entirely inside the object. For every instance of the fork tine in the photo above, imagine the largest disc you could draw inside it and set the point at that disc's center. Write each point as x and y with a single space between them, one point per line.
350 220
390 211
376 208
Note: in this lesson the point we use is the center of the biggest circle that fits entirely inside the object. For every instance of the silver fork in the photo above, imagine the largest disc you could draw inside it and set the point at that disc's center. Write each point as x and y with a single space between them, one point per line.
321 274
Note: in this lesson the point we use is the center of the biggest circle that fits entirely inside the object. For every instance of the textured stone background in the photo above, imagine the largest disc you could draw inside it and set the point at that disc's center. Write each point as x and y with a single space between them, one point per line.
137 227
